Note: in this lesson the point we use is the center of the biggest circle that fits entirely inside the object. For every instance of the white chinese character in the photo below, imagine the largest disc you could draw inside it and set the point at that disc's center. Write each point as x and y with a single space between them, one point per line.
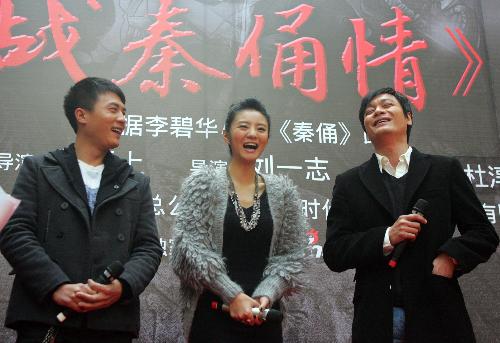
303 132
132 160
326 207
480 172
181 127
197 164
157 206
310 208
170 246
268 165
20 159
490 213
174 210
158 125
219 164
495 172
365 139
327 133
6 160
289 167
163 243
134 125
469 172
303 203
315 171
206 126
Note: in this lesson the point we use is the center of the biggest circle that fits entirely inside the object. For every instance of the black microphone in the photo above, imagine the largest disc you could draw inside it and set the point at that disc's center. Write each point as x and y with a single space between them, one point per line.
268 315
419 208
112 271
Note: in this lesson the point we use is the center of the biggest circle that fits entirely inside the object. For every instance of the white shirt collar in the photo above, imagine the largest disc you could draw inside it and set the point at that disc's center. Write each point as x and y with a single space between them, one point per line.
402 167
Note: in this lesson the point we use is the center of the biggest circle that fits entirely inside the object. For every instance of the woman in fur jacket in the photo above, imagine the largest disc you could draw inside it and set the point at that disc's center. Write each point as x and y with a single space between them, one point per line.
239 239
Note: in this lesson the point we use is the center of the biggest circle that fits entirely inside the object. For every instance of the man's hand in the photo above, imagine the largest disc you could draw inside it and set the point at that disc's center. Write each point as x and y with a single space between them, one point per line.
405 228
66 295
240 309
444 265
103 296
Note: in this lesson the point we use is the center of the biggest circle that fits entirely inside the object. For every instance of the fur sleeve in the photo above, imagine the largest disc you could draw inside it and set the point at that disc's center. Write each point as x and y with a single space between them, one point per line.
288 259
194 257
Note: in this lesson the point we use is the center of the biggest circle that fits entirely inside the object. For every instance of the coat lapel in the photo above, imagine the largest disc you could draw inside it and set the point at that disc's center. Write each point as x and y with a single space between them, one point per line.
419 166
58 180
275 196
220 195
371 177
69 162
114 175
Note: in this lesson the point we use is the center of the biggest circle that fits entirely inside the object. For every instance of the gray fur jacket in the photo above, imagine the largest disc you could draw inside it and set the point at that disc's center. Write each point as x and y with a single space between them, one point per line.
198 238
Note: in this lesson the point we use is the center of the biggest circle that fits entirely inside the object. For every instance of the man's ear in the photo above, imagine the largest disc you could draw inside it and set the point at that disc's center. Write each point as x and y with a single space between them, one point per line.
80 115
409 118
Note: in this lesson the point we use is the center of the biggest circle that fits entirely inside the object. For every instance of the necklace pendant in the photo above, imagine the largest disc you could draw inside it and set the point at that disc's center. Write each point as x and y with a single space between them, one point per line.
254 218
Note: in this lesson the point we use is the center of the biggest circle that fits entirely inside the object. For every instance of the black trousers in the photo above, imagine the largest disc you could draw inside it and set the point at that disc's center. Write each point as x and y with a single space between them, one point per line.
35 333
210 326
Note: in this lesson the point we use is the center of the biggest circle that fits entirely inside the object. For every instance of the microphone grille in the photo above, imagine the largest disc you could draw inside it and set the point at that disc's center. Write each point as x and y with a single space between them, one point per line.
274 315
115 269
421 205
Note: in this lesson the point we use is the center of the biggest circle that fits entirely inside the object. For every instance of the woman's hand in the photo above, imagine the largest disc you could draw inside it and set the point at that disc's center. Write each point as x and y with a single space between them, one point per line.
264 303
240 309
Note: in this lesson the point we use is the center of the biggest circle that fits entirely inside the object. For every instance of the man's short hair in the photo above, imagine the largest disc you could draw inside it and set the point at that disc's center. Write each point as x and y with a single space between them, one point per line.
401 98
84 94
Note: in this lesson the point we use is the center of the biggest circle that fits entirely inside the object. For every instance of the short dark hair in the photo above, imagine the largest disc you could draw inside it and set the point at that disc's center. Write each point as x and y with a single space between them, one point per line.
84 94
401 98
247 104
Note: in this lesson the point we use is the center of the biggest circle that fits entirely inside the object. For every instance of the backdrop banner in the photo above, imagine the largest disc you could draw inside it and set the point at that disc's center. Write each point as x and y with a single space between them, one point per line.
182 63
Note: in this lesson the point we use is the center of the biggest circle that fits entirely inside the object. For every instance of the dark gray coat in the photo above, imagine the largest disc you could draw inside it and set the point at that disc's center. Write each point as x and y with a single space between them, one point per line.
52 239
357 221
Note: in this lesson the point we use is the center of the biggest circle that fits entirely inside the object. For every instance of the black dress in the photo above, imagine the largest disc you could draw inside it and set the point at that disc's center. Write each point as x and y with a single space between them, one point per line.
246 254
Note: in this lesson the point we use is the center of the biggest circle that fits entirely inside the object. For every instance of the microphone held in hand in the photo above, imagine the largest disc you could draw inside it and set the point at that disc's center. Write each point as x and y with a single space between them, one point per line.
111 272
268 314
419 208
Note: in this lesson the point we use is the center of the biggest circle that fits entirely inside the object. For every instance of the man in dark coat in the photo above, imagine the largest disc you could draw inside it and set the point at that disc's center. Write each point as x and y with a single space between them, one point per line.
81 209
419 300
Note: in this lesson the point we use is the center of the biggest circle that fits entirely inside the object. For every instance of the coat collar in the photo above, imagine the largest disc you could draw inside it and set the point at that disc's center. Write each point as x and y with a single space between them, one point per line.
114 175
371 178
419 167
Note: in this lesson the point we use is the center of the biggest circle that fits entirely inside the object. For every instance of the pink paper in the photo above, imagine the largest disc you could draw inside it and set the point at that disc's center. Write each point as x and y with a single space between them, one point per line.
8 205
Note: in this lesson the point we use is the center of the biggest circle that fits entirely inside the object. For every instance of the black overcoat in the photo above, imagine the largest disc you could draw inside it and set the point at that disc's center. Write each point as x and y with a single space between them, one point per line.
357 221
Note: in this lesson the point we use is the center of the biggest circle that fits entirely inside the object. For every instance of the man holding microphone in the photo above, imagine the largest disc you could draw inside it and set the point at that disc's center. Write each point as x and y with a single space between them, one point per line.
81 209
376 210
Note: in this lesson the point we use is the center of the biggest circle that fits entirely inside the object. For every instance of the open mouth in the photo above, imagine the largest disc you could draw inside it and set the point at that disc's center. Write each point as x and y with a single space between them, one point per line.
381 121
250 146
117 130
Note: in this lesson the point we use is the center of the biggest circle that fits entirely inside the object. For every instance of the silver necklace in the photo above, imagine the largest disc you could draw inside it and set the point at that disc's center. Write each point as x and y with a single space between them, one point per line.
254 219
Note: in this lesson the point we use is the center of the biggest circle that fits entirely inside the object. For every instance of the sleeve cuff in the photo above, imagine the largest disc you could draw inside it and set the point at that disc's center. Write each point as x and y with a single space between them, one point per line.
387 247
126 290
272 287
226 288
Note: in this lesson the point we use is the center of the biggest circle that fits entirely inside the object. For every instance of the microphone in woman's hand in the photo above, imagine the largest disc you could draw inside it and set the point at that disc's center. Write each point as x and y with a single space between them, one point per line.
268 314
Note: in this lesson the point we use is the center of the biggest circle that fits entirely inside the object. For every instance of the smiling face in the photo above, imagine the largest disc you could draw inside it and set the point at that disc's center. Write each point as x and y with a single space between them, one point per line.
248 135
385 116
103 125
